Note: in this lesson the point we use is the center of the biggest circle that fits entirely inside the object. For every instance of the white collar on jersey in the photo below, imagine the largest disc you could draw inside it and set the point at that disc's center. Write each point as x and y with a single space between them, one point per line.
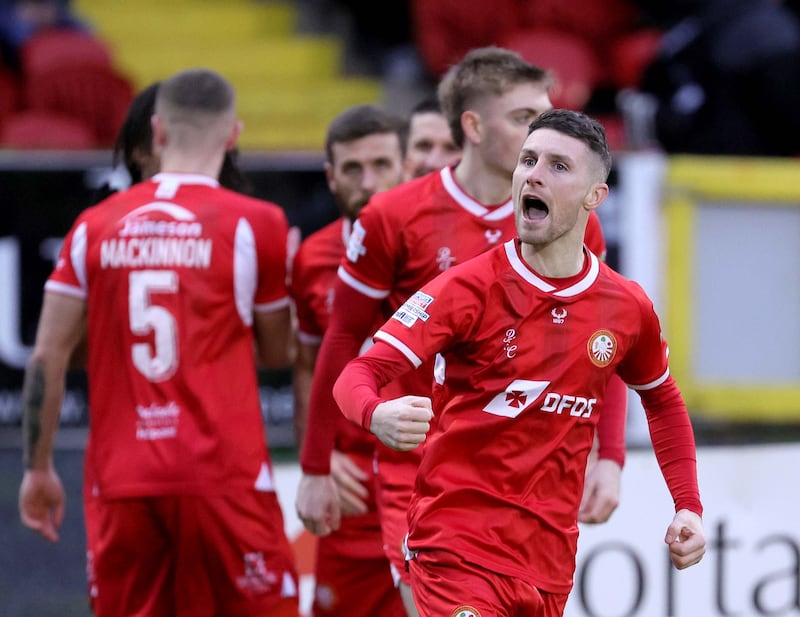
469 204
170 182
521 268
181 177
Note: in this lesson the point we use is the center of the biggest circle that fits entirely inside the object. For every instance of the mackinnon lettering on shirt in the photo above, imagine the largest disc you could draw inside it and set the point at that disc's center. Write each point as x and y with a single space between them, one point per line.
153 252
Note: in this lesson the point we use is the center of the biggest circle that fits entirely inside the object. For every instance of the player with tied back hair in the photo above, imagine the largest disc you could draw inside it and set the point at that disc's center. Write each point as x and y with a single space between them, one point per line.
518 393
174 281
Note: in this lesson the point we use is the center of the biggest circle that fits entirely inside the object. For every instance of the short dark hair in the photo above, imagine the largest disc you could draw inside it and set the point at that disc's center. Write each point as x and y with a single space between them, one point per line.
580 126
484 71
361 121
136 133
428 105
196 90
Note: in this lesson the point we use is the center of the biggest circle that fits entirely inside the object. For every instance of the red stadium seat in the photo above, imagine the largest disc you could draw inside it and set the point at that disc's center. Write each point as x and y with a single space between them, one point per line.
58 48
40 130
630 55
96 95
9 93
572 61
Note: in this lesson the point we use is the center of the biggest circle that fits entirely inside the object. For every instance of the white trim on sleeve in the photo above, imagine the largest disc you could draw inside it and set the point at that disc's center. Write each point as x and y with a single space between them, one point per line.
399 346
370 292
652 384
275 305
65 290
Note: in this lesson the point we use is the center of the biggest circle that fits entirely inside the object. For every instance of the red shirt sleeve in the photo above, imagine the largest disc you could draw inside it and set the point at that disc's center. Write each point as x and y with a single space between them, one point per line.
352 320
356 390
673 441
611 425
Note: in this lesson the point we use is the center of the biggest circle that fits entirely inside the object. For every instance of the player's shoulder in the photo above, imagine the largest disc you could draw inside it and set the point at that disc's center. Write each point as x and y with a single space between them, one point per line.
480 271
113 202
323 245
407 197
323 236
248 204
625 286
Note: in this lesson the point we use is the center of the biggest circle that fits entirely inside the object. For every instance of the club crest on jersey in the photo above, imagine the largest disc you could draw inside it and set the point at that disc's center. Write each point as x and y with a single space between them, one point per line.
355 244
413 309
559 314
602 347
444 257
466 611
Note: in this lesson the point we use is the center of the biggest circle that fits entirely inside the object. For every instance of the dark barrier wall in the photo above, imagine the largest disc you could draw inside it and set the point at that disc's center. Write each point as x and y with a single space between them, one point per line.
40 196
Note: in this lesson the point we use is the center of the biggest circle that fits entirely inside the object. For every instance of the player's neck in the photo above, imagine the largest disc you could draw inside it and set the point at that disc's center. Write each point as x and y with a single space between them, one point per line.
559 259
484 185
205 164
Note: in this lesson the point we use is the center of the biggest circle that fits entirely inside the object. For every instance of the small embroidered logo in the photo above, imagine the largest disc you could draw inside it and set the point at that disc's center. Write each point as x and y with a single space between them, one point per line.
509 347
559 314
493 235
444 257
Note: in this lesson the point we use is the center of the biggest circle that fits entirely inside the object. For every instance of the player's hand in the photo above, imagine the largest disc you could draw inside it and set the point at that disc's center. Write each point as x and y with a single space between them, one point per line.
686 540
41 502
402 423
349 479
317 504
600 491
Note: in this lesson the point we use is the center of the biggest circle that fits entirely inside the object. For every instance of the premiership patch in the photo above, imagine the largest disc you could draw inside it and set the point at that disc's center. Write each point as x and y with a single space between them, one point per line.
466 611
602 347
413 309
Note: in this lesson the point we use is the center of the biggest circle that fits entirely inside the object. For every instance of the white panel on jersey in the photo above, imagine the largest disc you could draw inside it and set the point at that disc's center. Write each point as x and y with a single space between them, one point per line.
516 398
77 253
265 482
245 270
439 369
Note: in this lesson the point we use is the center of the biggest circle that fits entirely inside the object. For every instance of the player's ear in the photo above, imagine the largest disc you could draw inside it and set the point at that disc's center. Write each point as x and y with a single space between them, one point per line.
471 126
329 176
236 130
159 135
597 195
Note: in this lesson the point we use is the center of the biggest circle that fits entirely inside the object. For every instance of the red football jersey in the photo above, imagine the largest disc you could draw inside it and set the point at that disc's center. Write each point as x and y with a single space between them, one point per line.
523 364
313 273
407 236
172 271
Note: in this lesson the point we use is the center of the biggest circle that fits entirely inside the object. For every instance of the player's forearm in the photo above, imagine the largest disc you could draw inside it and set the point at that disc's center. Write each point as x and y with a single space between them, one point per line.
673 442
337 348
357 389
351 322
42 394
302 381
356 393
272 334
